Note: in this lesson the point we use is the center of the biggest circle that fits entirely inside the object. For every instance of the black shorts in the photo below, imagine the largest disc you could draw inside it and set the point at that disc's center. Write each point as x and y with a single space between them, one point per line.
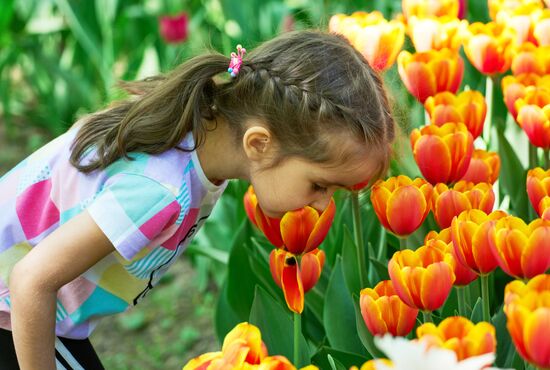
70 354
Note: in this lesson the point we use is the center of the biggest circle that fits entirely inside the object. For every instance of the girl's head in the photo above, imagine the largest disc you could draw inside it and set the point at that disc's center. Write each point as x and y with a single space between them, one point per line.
315 95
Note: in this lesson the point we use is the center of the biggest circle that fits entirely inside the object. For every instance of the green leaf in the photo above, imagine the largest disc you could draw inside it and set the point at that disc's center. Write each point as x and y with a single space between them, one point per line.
506 350
381 268
335 364
322 357
364 334
277 327
240 277
477 312
513 177
339 315
225 318
350 264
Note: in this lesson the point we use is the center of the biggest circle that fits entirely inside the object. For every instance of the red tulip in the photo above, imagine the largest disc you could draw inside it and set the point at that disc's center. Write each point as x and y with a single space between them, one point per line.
442 153
384 312
298 231
468 107
450 202
514 88
521 250
423 278
484 167
538 187
174 29
390 197
296 277
470 232
535 121
428 73
464 275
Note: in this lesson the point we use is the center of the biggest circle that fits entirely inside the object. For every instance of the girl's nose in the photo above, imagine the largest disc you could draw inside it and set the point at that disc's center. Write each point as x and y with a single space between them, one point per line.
321 203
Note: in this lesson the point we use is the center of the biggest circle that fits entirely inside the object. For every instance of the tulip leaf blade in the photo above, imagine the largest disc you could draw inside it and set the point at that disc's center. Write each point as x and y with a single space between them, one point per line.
364 334
511 175
506 353
350 263
477 311
343 358
335 364
381 269
240 291
339 315
276 325
225 318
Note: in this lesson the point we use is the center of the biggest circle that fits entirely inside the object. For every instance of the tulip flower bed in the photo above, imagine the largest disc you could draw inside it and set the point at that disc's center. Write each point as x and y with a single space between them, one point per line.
450 254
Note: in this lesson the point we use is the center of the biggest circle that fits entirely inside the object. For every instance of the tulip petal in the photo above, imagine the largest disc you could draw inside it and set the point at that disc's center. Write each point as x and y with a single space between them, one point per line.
311 266
535 333
296 227
292 285
411 199
270 227
433 158
321 228
535 258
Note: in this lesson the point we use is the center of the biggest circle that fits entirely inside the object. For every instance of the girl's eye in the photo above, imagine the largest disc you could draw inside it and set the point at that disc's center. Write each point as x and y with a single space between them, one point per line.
319 188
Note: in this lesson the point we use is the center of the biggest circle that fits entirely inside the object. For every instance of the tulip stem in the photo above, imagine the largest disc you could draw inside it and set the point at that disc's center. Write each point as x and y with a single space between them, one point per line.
297 332
485 297
460 291
488 117
402 243
427 316
546 159
359 243
533 160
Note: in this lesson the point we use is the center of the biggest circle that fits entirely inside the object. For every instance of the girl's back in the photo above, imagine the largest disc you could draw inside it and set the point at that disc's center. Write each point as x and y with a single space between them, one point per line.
131 200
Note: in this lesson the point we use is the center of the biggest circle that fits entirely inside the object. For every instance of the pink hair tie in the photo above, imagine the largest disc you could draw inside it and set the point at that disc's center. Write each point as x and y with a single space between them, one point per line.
236 61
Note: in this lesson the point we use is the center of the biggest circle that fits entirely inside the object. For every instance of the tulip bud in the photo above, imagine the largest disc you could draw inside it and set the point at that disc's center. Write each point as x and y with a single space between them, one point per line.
442 153
484 167
174 29
390 197
538 187
384 312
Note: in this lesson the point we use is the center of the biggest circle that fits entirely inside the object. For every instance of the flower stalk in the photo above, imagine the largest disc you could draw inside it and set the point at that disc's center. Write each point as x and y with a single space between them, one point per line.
489 116
460 291
485 297
427 316
358 233
297 331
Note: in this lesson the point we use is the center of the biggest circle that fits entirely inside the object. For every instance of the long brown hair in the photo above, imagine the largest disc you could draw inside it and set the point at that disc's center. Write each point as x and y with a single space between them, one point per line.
302 84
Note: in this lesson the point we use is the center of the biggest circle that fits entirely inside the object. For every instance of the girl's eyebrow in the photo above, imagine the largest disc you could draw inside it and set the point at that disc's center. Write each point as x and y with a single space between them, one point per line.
326 182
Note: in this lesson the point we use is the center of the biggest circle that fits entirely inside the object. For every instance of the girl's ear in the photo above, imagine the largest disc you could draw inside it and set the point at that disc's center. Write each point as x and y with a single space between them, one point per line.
258 143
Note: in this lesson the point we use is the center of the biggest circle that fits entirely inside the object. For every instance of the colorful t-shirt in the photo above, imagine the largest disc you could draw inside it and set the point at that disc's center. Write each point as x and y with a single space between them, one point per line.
149 208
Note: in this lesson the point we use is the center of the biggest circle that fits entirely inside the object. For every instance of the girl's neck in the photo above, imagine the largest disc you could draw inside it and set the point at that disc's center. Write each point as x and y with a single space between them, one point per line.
219 157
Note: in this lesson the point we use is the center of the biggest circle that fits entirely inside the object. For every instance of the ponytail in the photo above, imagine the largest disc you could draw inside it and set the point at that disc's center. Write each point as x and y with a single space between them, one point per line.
165 110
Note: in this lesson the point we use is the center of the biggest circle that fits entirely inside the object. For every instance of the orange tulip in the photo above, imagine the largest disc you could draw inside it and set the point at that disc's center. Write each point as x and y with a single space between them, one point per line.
436 33
538 187
423 278
470 233
296 278
542 29
514 88
298 231
484 167
372 364
450 202
427 8
384 312
544 208
495 6
489 47
464 275
531 59
376 38
242 345
535 121
428 73
442 153
250 203
389 198
521 20
527 309
468 107
521 250
460 335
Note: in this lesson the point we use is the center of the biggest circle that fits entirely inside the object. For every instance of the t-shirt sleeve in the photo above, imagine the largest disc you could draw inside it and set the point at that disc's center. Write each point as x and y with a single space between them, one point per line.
133 210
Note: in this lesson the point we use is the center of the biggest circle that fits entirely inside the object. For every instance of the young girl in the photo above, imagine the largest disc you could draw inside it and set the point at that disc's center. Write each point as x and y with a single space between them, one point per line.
91 221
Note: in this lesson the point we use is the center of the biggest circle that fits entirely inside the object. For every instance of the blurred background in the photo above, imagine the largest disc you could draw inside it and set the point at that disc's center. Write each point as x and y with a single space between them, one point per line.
61 59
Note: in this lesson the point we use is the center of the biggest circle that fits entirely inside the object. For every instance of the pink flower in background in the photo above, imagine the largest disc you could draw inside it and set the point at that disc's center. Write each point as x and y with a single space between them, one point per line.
174 29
